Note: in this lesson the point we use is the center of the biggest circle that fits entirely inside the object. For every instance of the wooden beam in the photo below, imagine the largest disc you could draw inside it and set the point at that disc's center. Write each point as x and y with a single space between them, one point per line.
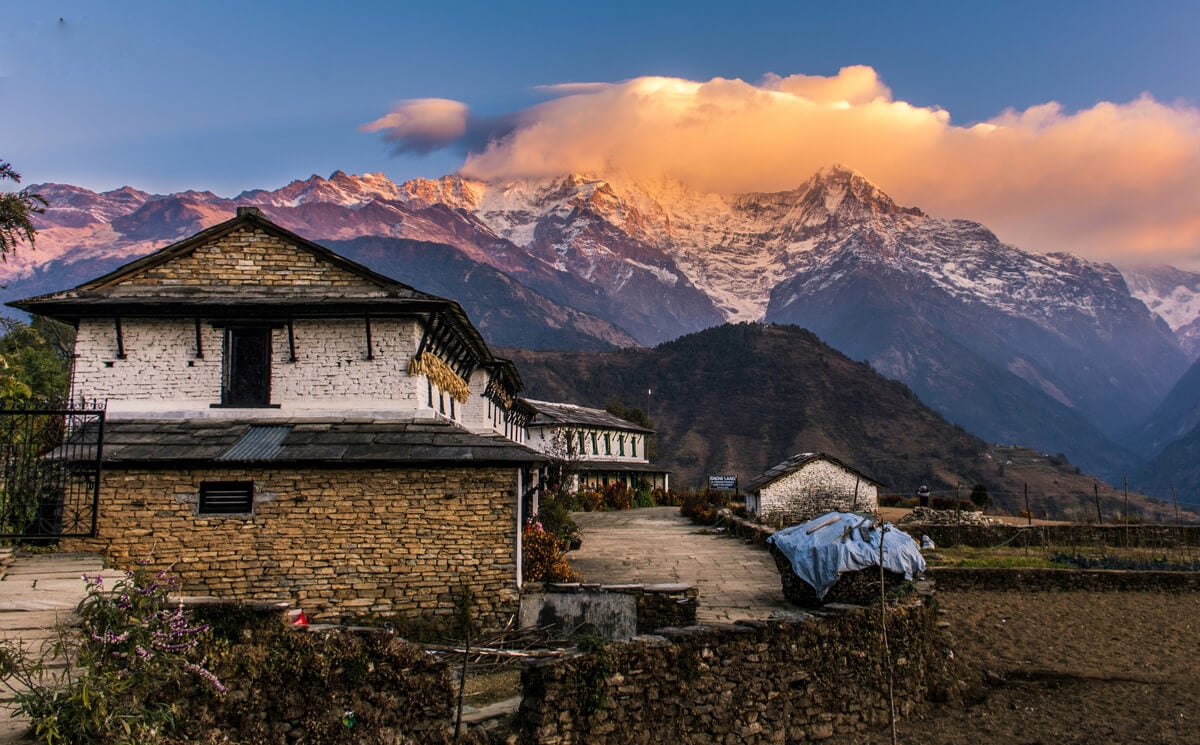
120 338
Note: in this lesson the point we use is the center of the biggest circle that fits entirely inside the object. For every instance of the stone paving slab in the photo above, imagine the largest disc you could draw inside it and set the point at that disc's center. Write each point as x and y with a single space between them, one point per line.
37 592
737 579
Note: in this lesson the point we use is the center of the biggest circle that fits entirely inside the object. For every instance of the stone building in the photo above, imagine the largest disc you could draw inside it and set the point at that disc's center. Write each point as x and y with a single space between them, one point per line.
593 447
807 485
285 424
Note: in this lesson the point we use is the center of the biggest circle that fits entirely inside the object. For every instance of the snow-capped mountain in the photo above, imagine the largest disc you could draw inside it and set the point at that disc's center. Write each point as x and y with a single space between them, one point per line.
1047 350
1174 294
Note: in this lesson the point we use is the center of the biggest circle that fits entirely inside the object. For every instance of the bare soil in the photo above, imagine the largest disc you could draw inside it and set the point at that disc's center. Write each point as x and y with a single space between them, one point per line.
1062 668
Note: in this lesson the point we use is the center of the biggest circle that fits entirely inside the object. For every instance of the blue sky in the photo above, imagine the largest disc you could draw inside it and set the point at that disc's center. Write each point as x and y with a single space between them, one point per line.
230 95
226 96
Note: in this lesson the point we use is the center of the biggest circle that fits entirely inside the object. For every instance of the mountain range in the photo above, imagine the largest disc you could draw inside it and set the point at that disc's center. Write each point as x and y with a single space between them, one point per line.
1047 350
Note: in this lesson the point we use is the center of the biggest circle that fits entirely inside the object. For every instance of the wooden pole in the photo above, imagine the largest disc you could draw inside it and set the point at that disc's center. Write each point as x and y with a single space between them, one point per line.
1028 512
887 653
1178 525
1096 492
1126 512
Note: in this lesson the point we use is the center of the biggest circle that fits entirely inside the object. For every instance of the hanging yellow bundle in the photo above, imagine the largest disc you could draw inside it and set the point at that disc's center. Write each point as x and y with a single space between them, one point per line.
440 374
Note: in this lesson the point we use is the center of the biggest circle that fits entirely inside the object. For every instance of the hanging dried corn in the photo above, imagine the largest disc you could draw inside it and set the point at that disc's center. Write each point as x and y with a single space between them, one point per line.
440 374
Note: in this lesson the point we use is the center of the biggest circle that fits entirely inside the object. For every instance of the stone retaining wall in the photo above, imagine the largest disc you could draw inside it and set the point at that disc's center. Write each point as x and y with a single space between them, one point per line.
989 579
751 682
987 536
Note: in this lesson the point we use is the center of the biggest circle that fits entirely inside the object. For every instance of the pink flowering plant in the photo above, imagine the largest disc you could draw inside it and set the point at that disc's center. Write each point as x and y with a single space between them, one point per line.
133 654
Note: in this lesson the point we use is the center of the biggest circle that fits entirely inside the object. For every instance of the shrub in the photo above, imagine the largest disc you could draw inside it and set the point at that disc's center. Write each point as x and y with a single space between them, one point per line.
545 557
643 498
666 498
703 507
133 653
943 503
591 500
554 518
617 496
980 497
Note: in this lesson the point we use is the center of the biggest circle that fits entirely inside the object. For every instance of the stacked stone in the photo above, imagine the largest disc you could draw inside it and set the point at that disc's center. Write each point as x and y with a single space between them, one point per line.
754 682
248 257
337 542
929 516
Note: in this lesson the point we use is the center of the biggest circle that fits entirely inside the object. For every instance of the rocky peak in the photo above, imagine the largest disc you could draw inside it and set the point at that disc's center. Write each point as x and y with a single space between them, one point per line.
841 192
452 191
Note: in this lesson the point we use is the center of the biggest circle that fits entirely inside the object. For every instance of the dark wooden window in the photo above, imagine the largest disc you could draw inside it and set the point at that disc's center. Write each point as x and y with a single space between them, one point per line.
226 497
247 367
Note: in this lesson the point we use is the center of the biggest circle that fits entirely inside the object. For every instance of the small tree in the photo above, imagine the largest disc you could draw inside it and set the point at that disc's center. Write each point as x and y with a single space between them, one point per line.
16 213
980 497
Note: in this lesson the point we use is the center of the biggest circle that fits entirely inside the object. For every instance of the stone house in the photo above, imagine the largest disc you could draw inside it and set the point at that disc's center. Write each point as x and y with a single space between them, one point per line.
593 447
285 424
807 485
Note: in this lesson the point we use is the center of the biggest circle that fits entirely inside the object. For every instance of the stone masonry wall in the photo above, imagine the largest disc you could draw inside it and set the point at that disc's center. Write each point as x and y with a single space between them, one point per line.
1037 579
248 257
986 536
337 543
816 488
161 372
753 682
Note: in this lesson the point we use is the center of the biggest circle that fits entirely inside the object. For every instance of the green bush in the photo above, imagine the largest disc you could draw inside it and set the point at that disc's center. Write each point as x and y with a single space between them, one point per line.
132 654
643 498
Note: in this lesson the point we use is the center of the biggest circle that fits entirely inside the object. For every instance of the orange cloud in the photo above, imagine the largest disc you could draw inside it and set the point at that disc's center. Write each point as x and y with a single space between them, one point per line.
1117 180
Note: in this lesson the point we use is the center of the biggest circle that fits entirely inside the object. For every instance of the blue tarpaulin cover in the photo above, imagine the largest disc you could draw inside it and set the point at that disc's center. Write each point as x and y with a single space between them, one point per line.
836 542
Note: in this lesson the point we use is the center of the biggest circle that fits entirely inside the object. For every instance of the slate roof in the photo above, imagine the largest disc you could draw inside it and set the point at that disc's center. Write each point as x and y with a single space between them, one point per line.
550 414
381 296
797 461
610 466
303 441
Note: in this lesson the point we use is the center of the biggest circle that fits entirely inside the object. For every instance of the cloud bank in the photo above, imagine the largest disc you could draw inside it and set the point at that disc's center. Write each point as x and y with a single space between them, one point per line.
1117 181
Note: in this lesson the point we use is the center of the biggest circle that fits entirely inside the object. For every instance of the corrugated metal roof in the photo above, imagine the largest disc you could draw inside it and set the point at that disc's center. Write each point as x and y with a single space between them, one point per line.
261 442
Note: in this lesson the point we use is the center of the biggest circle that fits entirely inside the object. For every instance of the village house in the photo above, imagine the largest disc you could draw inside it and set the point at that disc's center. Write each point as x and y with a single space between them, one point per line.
285 424
807 485
592 447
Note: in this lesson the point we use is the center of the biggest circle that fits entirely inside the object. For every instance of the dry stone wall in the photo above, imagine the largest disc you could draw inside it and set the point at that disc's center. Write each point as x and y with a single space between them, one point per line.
814 489
753 682
337 543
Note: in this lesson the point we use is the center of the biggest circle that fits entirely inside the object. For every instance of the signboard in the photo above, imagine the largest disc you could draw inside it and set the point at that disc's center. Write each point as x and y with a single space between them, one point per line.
722 482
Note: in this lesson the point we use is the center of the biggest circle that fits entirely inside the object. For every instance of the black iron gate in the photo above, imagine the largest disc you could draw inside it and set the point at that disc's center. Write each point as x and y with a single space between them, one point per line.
49 471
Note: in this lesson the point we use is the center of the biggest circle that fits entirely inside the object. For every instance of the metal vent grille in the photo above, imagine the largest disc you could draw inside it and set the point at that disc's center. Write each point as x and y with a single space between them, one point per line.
226 497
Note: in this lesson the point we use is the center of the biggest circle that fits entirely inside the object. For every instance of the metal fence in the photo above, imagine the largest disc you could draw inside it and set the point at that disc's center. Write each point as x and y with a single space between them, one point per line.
49 470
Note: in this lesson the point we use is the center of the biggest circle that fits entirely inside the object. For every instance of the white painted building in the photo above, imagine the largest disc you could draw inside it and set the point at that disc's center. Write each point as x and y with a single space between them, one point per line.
807 485
594 447
292 416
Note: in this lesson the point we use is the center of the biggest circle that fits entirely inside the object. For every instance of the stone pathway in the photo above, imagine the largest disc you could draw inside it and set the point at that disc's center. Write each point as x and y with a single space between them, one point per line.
736 578
37 593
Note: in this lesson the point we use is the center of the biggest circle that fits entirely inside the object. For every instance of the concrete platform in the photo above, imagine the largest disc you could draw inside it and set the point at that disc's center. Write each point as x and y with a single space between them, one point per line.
737 579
